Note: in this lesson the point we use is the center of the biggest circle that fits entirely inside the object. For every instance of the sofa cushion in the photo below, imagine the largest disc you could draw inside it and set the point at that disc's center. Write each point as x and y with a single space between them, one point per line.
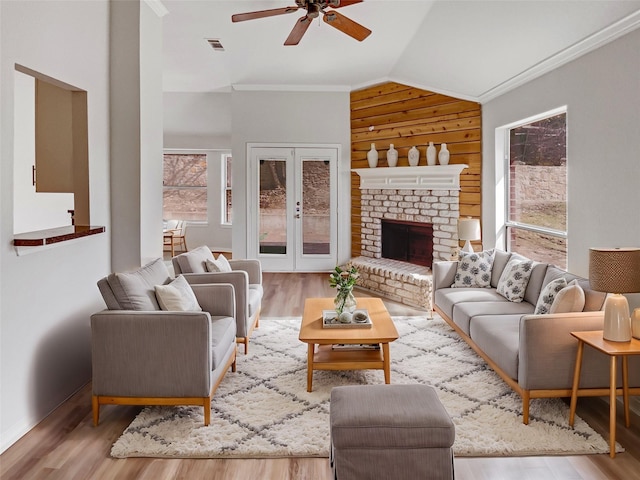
223 333
255 299
474 269
136 290
194 261
177 296
548 294
464 314
499 337
514 279
569 299
446 298
220 264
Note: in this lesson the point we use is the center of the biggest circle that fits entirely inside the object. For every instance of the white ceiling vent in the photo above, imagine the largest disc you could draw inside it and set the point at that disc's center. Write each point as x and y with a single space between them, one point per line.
215 44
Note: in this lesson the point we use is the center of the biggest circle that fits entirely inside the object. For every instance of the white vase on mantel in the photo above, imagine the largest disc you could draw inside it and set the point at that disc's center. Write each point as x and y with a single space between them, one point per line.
414 156
443 156
372 156
392 156
431 154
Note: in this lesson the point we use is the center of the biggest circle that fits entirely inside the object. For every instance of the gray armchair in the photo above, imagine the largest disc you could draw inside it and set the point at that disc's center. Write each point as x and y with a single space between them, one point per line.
246 278
144 356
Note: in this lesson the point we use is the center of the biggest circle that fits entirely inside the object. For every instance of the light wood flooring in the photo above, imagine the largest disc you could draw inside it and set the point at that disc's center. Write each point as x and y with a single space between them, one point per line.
66 446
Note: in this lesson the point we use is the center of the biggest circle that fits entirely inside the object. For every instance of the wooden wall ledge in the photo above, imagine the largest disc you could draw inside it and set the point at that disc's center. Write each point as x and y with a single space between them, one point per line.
55 235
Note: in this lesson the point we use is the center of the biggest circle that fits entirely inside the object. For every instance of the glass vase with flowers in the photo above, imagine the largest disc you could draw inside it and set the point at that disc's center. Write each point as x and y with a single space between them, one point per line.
343 281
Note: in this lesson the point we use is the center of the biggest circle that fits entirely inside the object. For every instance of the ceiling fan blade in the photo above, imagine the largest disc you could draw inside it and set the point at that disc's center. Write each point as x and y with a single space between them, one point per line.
298 31
346 25
241 17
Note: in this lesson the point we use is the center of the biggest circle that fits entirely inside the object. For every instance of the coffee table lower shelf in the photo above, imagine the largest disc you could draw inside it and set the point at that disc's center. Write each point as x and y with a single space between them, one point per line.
324 357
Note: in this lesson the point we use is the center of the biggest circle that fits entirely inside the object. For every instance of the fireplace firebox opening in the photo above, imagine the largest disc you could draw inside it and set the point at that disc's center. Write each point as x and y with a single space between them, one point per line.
407 241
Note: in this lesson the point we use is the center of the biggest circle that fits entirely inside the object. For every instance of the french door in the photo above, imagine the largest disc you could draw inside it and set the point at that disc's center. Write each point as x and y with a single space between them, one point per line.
293 215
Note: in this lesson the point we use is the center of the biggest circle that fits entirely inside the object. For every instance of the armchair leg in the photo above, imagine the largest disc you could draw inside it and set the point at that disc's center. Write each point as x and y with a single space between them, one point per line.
207 411
244 341
95 407
525 407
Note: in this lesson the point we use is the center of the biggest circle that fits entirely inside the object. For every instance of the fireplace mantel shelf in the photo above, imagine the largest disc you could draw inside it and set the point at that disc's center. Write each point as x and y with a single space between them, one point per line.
436 177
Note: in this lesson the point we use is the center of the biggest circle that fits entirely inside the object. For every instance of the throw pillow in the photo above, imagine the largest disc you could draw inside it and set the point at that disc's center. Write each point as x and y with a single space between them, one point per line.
177 296
514 279
569 299
474 269
548 293
220 264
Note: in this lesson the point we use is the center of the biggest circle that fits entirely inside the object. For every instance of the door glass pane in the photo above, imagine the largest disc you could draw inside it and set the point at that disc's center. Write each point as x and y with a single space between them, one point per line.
316 203
273 206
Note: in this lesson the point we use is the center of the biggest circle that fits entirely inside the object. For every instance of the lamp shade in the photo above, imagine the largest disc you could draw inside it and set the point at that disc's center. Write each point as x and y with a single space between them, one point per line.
614 270
469 229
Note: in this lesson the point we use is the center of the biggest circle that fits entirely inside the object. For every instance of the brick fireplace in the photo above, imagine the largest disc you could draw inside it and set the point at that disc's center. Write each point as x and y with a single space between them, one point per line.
426 198
422 195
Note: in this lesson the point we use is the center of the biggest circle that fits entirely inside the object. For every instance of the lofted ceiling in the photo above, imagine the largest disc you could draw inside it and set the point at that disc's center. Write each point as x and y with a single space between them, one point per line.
473 49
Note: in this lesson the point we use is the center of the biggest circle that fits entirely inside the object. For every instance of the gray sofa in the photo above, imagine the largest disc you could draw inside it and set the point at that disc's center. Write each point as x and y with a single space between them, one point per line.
534 354
144 356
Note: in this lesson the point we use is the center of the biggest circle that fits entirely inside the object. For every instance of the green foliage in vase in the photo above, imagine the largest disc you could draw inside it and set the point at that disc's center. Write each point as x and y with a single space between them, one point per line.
343 279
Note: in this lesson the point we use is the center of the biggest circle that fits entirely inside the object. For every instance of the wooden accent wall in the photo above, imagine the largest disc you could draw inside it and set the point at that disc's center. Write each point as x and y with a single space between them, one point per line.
407 116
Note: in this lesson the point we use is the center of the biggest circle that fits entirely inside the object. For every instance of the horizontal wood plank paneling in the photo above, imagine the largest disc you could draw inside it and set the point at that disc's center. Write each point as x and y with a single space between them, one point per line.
392 113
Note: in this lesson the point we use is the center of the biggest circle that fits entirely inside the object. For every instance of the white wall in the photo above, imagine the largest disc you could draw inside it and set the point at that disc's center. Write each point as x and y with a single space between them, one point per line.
46 297
202 122
197 120
290 117
136 134
602 94
151 117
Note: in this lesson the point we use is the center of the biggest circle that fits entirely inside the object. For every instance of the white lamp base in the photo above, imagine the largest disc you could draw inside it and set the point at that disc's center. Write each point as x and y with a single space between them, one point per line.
617 321
467 247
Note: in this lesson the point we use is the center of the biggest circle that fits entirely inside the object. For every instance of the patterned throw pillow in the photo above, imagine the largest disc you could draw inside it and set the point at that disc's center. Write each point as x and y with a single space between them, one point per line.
514 279
548 293
474 269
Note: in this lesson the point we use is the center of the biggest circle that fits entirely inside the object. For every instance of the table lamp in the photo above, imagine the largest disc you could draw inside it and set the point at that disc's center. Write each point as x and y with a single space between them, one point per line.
615 271
468 229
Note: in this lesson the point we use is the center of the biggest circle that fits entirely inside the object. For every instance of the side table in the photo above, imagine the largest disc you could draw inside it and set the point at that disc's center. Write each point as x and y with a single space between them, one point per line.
614 349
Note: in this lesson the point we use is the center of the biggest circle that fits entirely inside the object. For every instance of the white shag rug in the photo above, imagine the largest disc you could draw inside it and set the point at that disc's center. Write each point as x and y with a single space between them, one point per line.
264 410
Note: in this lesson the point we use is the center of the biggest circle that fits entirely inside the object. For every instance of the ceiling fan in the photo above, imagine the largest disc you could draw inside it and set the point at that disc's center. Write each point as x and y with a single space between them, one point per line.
314 8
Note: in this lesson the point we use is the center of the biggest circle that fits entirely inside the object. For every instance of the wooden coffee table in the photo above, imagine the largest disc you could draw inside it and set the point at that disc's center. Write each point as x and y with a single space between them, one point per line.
324 357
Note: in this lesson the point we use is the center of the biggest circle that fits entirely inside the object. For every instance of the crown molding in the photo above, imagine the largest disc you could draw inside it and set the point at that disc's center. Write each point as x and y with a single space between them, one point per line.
590 43
292 88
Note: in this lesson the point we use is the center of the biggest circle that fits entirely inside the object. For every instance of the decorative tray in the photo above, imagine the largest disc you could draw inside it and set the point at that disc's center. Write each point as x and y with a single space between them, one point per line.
330 319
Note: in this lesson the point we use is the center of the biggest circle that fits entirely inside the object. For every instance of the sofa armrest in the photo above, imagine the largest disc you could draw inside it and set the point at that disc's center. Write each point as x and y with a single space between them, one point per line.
151 354
251 266
547 350
444 273
216 298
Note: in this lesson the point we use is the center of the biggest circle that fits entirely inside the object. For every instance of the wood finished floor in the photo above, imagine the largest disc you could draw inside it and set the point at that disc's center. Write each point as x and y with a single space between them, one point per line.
66 446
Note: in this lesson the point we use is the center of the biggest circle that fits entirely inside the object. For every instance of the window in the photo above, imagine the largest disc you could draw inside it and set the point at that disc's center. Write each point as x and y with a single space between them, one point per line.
537 188
185 187
226 189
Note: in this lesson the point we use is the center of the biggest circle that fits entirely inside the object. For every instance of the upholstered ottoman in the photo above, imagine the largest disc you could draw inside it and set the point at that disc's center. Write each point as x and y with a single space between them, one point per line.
390 431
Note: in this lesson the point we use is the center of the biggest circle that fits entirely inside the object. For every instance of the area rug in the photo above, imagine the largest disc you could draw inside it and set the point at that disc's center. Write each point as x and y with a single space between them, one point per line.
264 410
